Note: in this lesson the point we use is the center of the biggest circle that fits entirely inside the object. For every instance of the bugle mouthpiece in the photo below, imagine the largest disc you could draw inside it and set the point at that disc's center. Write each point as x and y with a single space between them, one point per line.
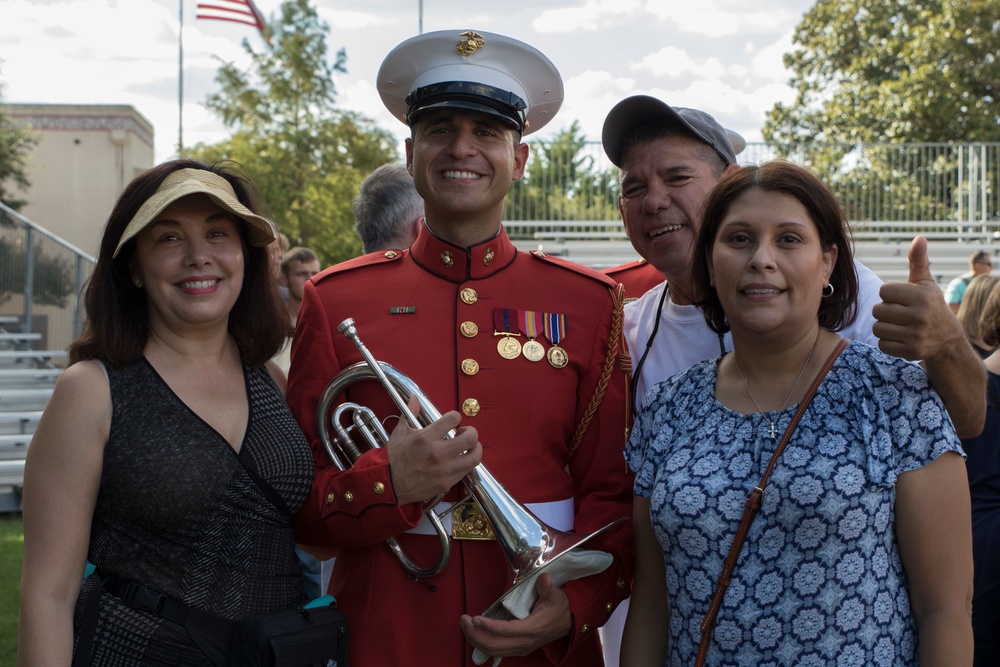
347 328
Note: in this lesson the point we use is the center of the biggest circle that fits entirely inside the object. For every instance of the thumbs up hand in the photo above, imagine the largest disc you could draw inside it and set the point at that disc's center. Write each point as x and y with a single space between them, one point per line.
913 320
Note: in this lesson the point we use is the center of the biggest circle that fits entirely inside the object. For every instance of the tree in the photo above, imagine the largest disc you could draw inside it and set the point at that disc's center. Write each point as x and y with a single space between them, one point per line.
16 142
562 183
900 72
307 156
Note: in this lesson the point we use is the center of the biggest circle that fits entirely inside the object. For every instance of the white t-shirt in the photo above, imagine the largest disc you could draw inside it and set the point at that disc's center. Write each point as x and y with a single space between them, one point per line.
684 338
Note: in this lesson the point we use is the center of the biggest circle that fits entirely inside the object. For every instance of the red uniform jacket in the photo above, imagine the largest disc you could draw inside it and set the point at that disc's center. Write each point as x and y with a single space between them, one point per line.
426 311
637 277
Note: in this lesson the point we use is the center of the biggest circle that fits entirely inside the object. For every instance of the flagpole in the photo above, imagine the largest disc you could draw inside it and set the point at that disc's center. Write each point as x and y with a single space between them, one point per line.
180 78
420 18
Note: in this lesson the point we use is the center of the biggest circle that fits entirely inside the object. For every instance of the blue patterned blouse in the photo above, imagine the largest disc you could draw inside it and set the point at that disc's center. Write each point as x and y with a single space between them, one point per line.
820 581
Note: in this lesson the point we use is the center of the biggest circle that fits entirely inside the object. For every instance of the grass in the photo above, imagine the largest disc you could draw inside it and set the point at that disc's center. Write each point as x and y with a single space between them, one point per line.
11 550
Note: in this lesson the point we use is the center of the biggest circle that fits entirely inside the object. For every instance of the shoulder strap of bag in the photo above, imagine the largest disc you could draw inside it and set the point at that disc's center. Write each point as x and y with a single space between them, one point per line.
753 505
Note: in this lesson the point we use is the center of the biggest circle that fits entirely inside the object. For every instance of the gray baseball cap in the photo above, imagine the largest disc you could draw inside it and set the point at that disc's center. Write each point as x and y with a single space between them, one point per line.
641 109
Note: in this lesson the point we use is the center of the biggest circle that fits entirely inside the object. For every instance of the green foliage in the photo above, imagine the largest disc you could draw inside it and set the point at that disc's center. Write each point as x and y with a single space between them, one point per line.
16 142
562 183
307 156
53 276
11 553
892 72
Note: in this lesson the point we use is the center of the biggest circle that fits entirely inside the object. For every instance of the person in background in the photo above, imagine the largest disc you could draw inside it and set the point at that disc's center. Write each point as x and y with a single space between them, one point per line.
388 211
524 345
167 456
983 465
980 264
861 552
971 310
276 250
298 265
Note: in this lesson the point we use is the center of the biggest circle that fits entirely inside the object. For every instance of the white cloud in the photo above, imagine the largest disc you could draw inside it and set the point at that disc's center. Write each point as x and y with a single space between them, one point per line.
673 62
719 18
593 15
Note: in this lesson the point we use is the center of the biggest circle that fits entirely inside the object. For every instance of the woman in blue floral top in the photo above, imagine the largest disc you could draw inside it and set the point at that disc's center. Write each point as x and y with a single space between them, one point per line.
861 553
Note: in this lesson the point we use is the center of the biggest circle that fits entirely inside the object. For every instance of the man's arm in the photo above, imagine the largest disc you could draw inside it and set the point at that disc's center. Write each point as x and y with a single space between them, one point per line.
915 323
386 485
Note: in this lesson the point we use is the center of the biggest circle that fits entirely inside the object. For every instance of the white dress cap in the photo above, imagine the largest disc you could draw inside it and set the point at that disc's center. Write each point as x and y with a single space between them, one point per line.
475 70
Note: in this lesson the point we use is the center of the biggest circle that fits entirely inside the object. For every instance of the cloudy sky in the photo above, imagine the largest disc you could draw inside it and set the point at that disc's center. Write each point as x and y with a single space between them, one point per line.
723 56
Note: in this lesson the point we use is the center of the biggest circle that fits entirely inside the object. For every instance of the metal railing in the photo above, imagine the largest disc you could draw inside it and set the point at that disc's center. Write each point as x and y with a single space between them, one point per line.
930 183
41 279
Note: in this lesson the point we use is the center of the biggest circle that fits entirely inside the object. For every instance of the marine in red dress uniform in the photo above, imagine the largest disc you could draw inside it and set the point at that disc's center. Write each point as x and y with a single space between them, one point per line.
636 277
457 318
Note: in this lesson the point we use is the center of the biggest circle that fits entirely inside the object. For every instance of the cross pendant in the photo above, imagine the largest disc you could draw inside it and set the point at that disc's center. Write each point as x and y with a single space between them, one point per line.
772 430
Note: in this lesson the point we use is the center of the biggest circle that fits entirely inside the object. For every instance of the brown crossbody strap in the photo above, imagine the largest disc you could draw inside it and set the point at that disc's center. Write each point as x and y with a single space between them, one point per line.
753 505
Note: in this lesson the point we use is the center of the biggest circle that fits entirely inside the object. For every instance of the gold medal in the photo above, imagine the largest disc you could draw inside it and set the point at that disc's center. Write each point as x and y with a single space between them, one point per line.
533 350
508 347
557 356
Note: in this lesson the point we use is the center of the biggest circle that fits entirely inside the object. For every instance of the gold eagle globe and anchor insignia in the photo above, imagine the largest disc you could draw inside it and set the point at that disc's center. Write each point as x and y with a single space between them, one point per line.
469 523
470 43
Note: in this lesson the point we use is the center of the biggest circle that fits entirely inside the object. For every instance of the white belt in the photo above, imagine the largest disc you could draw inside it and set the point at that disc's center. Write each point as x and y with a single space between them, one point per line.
558 514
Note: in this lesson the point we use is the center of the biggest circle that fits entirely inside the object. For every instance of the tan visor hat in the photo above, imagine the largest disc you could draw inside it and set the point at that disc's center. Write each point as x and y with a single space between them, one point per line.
184 182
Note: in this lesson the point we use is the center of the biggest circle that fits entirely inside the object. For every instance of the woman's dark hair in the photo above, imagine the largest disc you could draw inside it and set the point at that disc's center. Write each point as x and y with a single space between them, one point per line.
835 311
116 327
989 319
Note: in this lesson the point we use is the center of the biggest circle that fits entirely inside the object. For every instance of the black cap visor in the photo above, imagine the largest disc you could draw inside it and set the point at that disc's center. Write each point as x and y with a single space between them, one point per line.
466 95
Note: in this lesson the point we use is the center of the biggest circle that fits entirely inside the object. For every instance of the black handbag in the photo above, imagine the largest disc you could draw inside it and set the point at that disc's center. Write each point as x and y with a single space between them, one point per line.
311 635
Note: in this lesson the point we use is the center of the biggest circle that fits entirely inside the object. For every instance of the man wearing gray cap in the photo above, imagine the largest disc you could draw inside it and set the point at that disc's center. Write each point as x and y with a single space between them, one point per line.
670 159
527 347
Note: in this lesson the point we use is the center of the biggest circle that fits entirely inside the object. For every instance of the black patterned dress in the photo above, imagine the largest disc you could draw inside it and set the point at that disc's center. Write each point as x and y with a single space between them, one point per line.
179 511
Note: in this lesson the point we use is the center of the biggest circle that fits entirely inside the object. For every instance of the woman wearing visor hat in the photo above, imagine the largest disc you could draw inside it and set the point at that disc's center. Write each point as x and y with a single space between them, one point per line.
167 456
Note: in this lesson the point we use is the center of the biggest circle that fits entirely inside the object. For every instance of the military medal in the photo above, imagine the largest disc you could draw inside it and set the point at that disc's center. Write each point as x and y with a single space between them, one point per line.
533 351
555 331
507 346
529 321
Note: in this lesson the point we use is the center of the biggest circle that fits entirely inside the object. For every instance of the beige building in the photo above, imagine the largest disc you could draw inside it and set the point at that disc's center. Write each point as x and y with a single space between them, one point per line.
85 156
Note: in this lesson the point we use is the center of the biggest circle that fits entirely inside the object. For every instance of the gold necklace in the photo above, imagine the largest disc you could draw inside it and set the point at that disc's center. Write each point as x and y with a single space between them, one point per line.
773 429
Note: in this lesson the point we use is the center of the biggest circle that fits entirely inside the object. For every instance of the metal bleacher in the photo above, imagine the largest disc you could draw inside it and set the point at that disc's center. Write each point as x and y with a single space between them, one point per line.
27 378
881 246
41 279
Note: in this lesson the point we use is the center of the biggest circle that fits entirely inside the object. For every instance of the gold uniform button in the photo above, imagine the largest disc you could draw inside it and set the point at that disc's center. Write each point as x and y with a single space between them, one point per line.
470 366
348 496
378 488
470 407
585 629
469 329
329 498
468 295
391 254
621 583
608 607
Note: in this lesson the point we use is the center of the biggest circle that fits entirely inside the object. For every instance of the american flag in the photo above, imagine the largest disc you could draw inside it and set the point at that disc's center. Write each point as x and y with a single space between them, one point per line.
237 11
